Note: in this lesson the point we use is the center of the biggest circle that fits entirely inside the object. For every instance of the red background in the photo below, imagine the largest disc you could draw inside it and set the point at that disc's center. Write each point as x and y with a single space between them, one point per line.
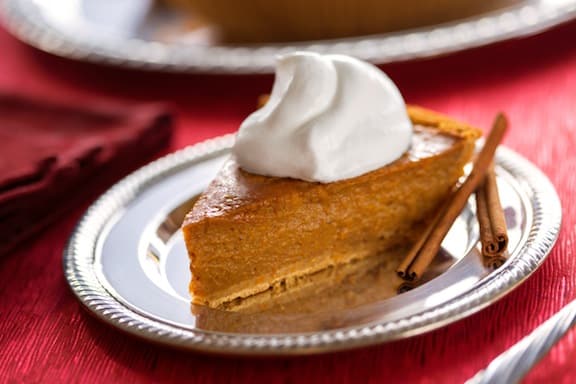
45 335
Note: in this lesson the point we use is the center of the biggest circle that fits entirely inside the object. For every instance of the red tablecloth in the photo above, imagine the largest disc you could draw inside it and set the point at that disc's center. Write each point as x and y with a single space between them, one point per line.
45 335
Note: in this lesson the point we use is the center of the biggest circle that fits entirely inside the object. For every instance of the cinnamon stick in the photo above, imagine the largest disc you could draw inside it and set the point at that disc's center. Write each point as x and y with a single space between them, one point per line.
496 261
493 232
414 251
426 248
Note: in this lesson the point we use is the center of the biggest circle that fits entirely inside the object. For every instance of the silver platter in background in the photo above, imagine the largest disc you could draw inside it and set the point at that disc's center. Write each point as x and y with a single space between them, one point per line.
136 34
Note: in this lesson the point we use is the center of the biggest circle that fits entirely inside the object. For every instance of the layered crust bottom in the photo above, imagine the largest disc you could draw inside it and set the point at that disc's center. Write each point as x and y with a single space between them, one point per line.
316 303
320 271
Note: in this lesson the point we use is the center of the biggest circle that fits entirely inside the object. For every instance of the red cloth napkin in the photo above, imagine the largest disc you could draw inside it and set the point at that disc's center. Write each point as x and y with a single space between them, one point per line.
52 154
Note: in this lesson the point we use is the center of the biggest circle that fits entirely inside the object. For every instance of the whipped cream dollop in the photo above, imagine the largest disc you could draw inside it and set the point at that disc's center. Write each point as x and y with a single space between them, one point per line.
329 118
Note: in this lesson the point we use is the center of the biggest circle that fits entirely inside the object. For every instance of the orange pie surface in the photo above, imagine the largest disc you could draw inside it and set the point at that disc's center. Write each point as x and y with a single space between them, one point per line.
248 234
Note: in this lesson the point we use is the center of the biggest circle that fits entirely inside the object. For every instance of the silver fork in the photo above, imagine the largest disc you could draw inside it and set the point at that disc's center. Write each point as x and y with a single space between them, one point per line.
513 364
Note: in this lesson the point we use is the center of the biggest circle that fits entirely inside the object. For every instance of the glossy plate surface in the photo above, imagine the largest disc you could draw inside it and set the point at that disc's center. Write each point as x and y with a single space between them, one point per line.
137 34
126 262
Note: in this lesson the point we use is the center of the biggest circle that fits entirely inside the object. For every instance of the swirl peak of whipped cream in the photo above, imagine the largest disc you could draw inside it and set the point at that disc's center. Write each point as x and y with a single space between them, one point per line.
328 118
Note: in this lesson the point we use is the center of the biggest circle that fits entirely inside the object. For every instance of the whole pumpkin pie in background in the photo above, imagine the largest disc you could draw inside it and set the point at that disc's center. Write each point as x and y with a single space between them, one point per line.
256 21
334 170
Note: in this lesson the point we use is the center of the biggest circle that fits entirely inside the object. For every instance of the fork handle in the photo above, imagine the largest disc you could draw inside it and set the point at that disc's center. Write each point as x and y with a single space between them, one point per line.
513 364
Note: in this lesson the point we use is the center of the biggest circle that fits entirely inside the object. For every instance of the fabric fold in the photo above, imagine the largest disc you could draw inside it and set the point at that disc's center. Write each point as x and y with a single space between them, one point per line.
54 155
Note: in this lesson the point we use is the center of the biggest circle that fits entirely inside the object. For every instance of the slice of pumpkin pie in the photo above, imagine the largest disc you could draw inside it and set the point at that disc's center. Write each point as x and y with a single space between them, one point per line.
266 223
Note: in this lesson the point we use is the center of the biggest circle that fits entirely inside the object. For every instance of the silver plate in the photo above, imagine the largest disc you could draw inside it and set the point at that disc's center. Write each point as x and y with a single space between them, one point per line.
128 35
127 263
